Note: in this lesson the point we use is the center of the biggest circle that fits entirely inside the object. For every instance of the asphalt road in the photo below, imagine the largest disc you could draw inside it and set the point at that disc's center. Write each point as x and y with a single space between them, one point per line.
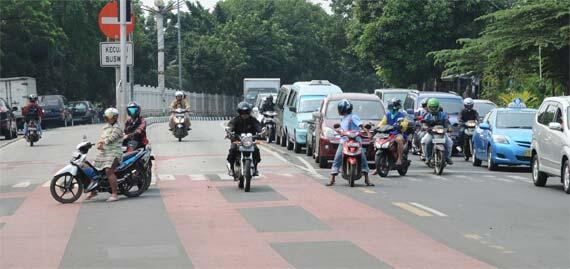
194 216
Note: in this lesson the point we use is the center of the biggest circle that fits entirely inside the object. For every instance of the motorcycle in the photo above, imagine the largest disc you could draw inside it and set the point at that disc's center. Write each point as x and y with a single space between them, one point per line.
269 125
419 131
351 155
387 152
438 161
80 176
131 145
32 135
468 132
244 166
180 130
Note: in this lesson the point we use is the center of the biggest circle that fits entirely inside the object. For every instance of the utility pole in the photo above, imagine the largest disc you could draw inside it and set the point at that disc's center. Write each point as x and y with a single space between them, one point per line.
540 60
179 49
121 104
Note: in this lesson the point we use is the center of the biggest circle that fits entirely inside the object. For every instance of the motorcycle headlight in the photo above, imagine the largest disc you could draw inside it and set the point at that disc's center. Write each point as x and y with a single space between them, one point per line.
302 125
75 155
329 133
501 139
247 141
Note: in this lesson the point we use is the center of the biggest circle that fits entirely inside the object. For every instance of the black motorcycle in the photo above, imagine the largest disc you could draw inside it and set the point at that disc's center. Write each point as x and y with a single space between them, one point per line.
468 131
269 125
244 166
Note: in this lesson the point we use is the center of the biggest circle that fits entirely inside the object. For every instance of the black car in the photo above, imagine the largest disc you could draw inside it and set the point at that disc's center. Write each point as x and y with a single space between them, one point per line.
55 109
7 121
83 111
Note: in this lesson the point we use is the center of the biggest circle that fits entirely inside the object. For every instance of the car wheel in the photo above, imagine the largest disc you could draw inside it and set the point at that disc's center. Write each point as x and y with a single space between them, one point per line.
297 148
309 151
490 164
277 139
475 161
538 178
289 144
283 139
566 176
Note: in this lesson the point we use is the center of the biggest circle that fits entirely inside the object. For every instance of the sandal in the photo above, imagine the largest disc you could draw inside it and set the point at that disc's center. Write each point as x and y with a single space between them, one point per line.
112 199
91 195
369 184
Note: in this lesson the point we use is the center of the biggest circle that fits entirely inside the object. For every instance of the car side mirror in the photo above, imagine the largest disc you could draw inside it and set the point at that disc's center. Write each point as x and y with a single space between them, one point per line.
484 126
15 108
316 115
410 111
555 126
293 109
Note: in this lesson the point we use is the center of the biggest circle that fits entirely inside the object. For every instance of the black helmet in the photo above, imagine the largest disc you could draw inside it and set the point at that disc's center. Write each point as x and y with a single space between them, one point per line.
344 107
244 108
395 103
133 109
32 97
270 98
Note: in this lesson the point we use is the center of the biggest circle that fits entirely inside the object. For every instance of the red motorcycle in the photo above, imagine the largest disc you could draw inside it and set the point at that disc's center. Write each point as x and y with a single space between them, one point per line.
387 152
351 168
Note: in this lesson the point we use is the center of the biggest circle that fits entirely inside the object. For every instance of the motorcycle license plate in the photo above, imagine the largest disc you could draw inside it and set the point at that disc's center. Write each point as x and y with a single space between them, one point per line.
32 129
527 153
353 145
438 140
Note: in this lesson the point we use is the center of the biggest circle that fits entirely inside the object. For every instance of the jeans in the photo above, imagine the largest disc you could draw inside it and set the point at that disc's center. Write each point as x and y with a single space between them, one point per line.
337 162
38 126
428 145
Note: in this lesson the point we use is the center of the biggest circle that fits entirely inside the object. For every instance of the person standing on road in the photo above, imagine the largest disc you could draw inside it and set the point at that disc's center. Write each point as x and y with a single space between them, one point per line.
349 122
110 151
242 124
180 102
433 118
135 127
33 111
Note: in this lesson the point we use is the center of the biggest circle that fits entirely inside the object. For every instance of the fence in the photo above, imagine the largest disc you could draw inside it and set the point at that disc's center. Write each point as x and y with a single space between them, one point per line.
154 103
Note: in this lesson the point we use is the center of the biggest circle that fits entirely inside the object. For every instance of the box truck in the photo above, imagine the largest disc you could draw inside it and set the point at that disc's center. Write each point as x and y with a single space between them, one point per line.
16 91
254 86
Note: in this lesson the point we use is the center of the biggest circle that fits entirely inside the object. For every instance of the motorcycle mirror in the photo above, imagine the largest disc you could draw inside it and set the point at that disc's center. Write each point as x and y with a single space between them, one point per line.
367 126
336 125
84 138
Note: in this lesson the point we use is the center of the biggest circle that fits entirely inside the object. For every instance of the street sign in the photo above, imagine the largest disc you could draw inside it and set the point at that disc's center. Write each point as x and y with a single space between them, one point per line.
110 54
109 21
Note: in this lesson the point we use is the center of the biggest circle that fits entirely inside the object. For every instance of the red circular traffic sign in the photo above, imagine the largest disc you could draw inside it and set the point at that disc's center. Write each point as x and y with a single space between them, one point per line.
109 23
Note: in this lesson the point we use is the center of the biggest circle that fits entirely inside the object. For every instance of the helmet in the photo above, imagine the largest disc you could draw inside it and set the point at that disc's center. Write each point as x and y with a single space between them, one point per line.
244 108
133 109
394 104
32 97
270 98
344 107
424 102
255 110
433 105
468 103
111 113
179 94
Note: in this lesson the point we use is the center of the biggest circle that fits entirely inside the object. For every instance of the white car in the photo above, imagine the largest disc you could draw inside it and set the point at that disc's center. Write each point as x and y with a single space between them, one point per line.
551 142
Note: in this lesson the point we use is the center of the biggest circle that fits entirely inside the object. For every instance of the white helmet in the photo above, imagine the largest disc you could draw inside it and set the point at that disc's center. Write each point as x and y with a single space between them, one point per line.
468 102
111 113
179 93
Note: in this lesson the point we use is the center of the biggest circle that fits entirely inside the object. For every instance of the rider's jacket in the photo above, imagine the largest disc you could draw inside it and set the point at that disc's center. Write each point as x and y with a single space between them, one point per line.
137 127
32 111
267 106
179 104
468 114
440 118
241 126
421 112
392 119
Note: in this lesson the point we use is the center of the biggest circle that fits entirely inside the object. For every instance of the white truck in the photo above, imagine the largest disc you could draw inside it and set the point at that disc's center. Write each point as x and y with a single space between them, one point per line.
16 91
254 86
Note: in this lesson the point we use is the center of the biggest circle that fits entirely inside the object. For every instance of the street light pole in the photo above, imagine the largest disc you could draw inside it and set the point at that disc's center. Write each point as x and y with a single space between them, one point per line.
179 50
121 104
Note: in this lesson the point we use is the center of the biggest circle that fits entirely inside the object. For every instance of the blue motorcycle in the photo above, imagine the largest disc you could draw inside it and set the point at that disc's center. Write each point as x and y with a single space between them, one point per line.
80 176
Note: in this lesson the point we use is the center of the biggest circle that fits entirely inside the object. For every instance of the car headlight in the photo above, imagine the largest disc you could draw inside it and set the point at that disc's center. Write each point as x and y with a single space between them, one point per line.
329 133
501 139
302 125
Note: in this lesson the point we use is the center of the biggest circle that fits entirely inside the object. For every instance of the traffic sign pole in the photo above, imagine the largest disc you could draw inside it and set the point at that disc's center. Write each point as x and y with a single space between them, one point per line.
121 103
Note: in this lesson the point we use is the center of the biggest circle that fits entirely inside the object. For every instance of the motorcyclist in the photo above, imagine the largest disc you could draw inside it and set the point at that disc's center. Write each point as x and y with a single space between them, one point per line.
422 111
110 151
349 122
268 105
436 116
468 113
242 124
180 102
33 111
396 117
135 127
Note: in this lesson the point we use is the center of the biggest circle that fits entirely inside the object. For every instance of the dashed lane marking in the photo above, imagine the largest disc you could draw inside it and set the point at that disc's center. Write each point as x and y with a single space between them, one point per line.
429 209
46 184
412 179
225 177
525 179
472 236
24 184
198 177
438 177
412 209
166 177
365 190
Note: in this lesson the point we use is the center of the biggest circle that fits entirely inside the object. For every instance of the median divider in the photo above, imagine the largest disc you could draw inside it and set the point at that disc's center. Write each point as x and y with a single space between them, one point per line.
162 119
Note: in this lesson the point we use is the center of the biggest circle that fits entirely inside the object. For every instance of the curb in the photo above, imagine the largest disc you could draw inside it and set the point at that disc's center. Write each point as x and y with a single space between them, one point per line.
11 141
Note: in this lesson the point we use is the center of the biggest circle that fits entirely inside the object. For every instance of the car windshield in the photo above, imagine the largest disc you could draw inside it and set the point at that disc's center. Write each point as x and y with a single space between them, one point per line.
387 96
50 100
310 103
519 120
483 108
450 105
365 109
568 118
80 105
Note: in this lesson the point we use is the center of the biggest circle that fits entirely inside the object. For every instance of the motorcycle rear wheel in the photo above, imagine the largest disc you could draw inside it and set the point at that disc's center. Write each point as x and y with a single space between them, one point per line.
67 185
403 170
126 188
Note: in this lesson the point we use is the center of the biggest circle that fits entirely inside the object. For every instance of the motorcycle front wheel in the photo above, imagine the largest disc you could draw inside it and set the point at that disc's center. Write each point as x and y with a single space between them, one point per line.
382 166
352 174
247 174
66 184
439 162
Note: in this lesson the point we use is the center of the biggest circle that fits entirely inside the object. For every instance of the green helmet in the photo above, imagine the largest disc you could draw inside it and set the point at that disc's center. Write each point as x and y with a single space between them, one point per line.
433 105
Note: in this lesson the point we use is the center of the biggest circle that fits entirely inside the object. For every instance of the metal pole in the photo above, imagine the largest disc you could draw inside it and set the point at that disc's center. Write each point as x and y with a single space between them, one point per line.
540 60
160 35
179 50
121 106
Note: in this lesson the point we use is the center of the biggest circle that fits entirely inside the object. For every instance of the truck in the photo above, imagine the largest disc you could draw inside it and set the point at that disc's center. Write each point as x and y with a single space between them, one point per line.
15 91
254 86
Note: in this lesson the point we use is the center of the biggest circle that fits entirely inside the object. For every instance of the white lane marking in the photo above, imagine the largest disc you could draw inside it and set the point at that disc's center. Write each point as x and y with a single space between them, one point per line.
154 176
525 179
275 154
287 175
412 179
365 190
225 177
166 177
412 209
198 177
46 184
21 184
429 209
503 180
307 165
438 177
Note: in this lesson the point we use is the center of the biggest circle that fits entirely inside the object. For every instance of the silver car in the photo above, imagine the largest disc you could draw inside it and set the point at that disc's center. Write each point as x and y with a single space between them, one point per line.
551 142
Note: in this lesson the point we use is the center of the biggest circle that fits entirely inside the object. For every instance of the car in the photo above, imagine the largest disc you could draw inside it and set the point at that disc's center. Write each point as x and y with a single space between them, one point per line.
551 142
279 106
504 138
451 103
483 107
8 126
303 99
322 141
83 111
387 94
55 109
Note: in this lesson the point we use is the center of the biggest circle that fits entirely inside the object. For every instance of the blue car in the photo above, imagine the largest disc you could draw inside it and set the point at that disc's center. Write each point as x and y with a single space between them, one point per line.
504 138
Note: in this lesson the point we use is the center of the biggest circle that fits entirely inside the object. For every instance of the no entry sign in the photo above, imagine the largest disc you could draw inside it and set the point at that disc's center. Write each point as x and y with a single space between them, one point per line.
109 21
